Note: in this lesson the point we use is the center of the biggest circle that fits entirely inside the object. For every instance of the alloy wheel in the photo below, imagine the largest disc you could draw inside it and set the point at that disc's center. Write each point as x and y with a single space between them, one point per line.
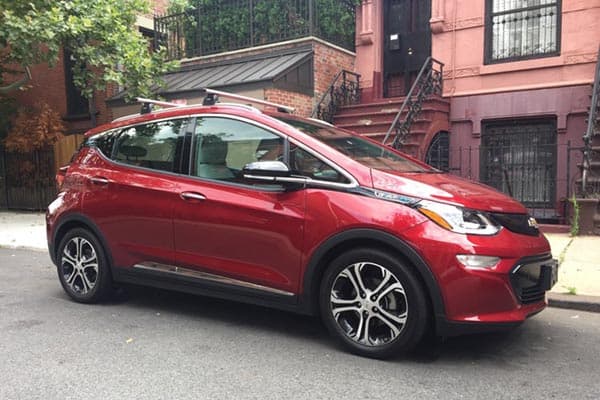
369 304
79 265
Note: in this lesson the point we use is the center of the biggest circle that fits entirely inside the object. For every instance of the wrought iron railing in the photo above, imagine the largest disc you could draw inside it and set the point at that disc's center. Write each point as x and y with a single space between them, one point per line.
344 90
591 156
428 83
216 26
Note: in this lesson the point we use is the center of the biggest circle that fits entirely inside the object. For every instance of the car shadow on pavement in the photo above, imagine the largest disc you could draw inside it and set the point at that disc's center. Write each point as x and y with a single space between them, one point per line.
470 348
218 310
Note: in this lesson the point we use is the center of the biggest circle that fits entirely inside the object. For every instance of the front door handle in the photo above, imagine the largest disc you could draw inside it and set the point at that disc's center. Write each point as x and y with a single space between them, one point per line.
99 180
192 196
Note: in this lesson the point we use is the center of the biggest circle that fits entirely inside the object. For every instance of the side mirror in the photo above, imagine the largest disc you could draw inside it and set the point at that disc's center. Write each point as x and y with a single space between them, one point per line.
272 172
267 169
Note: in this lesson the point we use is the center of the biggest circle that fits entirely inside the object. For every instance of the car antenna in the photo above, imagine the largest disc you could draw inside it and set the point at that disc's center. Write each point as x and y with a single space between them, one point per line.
212 97
148 103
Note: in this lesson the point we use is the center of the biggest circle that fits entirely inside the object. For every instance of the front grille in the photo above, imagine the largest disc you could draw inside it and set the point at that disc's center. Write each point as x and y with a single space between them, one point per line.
531 278
518 223
532 294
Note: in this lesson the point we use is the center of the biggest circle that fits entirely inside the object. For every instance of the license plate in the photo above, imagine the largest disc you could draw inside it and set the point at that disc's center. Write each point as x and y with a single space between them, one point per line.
549 275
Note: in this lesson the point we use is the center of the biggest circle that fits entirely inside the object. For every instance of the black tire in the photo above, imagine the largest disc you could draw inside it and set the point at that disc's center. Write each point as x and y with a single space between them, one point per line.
82 266
380 312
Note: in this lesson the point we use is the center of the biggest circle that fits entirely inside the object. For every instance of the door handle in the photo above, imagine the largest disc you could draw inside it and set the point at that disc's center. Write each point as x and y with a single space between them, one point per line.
99 180
192 196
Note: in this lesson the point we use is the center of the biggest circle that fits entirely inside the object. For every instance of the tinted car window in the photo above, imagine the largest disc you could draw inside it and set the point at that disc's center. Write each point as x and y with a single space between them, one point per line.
153 145
222 147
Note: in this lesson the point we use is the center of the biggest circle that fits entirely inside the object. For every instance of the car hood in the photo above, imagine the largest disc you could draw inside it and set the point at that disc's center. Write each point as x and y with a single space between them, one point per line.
446 188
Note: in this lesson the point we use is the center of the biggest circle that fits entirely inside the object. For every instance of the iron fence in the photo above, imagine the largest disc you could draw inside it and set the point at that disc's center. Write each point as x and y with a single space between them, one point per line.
215 26
27 179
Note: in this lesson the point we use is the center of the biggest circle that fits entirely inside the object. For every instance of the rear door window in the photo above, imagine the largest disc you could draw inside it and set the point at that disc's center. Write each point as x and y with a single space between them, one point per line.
155 145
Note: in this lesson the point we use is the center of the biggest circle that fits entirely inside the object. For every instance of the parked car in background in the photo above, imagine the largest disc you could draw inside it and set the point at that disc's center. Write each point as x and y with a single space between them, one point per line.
269 208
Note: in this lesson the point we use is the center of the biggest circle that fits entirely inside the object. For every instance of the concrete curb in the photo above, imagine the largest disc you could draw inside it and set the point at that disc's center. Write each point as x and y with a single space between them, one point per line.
20 247
574 302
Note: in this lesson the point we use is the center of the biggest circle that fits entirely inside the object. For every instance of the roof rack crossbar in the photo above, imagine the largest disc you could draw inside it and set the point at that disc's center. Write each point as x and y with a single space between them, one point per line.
251 100
148 103
157 102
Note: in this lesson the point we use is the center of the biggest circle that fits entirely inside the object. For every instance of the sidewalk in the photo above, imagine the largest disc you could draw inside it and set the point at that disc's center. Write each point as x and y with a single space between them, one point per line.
578 279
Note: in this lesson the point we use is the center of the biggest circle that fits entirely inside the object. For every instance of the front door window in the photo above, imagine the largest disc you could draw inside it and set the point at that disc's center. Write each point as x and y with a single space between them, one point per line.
222 147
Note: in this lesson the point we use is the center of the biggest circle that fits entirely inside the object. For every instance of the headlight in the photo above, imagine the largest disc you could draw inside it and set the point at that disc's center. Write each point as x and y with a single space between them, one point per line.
458 219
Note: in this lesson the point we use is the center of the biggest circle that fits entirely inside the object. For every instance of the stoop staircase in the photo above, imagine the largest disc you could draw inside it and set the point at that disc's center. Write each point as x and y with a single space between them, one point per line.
407 123
375 119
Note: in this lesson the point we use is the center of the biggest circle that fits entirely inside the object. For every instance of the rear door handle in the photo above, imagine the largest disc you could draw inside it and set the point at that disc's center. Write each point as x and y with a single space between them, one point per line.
99 180
192 196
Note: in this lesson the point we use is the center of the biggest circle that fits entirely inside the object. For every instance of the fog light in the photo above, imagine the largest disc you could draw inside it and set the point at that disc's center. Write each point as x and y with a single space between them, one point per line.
473 261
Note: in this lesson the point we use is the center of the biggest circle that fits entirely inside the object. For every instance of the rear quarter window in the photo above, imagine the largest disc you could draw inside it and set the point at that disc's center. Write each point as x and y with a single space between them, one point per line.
103 141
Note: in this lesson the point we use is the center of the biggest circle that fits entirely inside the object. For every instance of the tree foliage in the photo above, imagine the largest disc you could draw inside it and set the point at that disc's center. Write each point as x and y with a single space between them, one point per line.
34 129
213 26
100 35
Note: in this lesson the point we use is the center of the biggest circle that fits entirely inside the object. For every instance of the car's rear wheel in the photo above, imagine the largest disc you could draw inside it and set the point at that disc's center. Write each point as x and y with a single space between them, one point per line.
372 302
83 268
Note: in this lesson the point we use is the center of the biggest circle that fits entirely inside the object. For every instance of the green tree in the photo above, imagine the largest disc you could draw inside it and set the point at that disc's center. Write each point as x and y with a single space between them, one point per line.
99 34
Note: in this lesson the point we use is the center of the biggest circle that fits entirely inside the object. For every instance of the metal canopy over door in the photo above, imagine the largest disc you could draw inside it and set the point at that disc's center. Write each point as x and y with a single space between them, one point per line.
518 157
407 43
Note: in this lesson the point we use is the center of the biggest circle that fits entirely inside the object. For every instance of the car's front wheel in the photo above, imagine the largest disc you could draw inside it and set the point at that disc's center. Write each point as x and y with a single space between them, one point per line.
83 268
372 302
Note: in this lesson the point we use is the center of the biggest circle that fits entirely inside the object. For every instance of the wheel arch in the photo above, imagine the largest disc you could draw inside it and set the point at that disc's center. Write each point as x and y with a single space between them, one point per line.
73 221
368 238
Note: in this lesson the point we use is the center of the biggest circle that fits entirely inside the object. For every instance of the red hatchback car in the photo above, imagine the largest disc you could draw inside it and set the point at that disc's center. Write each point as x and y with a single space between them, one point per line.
265 207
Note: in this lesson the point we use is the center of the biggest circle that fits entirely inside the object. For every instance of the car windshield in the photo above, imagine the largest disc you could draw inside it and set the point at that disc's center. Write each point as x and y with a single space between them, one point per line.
370 154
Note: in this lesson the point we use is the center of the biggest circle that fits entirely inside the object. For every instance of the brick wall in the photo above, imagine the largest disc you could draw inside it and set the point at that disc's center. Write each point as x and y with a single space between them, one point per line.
48 85
328 61
160 6
301 102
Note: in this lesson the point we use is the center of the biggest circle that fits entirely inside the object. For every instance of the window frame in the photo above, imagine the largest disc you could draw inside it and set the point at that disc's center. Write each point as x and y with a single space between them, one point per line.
489 35
77 105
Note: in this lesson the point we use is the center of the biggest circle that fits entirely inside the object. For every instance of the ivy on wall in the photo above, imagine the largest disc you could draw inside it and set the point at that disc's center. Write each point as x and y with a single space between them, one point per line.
212 26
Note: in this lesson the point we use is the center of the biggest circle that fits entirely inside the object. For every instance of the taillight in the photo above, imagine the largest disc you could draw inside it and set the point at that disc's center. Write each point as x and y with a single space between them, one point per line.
60 176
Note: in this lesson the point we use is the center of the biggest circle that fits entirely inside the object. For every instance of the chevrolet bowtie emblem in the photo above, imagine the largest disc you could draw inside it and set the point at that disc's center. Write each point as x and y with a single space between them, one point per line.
532 222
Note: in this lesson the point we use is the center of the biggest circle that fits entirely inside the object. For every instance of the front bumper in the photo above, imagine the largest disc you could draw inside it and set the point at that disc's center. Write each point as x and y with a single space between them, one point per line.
485 299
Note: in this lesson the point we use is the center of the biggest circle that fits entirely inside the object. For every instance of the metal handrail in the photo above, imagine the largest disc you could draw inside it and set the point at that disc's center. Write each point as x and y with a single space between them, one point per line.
429 81
591 128
346 93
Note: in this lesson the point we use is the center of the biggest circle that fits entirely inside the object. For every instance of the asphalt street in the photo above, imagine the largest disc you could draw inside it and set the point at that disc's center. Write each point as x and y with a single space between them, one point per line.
152 344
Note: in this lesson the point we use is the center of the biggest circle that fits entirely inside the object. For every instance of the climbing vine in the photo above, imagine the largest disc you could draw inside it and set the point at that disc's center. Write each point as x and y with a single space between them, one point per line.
212 26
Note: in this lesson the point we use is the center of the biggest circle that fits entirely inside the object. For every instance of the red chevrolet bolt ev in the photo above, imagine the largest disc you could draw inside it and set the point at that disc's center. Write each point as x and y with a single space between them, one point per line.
268 208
